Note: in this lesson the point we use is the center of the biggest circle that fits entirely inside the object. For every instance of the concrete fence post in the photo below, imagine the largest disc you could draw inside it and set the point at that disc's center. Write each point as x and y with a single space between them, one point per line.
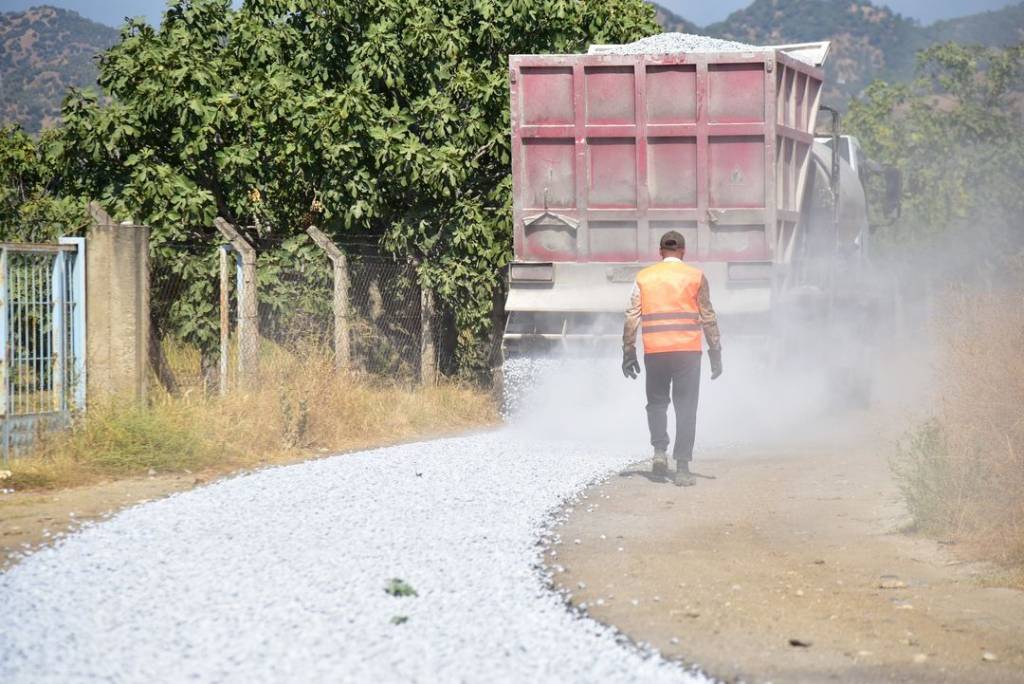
117 308
340 305
225 315
428 350
248 305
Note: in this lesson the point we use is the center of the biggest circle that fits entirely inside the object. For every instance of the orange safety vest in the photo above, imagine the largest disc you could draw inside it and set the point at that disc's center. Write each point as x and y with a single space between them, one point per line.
670 315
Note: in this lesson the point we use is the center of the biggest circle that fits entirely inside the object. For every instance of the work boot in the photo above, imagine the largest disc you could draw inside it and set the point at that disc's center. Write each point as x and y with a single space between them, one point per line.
660 466
683 477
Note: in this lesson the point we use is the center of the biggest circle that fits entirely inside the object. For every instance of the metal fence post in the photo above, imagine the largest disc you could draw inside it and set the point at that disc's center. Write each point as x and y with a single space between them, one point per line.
76 314
58 333
342 352
248 307
5 357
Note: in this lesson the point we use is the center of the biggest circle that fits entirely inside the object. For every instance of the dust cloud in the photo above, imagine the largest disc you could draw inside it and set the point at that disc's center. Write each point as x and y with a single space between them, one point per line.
825 387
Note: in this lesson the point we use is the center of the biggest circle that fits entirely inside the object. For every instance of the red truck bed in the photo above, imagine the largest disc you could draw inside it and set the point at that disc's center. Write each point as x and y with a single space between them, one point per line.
611 151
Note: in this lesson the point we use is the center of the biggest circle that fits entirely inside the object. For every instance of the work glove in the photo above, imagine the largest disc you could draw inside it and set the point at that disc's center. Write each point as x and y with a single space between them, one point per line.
715 356
630 366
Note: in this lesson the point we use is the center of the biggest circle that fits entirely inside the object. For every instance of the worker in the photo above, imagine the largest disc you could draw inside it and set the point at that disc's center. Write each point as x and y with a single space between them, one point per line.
671 306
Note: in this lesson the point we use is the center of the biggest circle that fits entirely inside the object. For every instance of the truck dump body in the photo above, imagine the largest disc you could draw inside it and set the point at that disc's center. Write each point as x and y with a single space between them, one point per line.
610 151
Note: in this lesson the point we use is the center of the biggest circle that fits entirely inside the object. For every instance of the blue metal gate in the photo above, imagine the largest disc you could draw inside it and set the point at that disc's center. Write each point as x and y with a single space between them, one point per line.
42 332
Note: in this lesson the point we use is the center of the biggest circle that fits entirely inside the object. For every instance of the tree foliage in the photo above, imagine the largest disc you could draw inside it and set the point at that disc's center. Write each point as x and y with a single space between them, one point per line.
387 117
30 206
957 134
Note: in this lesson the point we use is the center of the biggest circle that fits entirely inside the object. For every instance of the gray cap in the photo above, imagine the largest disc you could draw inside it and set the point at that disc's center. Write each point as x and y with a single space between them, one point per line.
673 240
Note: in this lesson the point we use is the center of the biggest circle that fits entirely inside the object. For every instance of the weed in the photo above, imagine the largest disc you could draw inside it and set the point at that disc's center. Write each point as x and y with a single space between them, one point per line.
962 471
300 405
399 587
295 416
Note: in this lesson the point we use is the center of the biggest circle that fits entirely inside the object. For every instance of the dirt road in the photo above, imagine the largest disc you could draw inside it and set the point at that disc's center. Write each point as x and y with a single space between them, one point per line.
31 520
790 566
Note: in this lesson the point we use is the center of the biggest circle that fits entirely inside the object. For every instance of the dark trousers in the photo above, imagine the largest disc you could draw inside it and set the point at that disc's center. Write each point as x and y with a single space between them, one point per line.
678 374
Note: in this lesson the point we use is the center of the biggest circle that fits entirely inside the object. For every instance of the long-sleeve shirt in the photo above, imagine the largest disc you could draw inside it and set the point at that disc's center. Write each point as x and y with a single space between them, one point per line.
708 318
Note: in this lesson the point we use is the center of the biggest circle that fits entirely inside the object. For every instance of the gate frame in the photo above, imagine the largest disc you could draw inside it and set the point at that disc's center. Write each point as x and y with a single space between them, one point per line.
78 318
68 399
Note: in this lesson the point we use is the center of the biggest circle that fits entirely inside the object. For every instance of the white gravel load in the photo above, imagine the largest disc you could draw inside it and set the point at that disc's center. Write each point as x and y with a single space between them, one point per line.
670 43
280 576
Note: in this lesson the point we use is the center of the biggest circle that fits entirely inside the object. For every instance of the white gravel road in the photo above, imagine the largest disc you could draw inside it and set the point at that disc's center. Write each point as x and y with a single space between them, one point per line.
280 575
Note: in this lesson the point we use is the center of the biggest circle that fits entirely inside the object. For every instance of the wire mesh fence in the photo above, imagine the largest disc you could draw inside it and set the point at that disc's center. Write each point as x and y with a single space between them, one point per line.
296 313
183 319
295 303
385 324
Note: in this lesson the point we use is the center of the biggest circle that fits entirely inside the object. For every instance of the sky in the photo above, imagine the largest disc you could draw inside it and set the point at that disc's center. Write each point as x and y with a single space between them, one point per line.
702 12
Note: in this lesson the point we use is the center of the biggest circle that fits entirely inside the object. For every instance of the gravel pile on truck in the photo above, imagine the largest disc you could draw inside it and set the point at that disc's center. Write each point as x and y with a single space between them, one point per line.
666 43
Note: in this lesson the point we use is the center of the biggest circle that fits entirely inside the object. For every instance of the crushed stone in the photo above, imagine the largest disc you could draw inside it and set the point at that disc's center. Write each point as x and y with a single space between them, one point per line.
279 575
669 43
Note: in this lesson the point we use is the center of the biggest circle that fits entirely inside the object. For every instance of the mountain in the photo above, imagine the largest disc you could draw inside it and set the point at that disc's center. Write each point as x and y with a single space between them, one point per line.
43 52
868 41
671 22
1001 27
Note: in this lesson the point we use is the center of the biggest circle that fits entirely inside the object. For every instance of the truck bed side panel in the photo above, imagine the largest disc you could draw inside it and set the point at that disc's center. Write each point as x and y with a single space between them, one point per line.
611 151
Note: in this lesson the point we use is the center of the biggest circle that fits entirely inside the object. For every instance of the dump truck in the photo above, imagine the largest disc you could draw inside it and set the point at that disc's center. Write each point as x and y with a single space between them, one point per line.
611 150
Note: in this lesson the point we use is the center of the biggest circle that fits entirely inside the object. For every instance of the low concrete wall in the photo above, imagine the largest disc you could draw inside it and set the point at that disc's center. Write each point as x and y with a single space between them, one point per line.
117 311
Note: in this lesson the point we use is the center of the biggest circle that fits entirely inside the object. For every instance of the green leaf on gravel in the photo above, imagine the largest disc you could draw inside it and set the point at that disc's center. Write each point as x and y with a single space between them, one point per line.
399 587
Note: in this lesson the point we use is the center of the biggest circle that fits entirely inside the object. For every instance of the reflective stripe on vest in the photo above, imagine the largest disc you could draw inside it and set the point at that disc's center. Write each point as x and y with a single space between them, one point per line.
669 311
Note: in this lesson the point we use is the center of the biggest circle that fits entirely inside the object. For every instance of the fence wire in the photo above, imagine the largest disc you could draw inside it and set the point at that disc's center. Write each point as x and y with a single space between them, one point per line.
296 296
183 302
384 317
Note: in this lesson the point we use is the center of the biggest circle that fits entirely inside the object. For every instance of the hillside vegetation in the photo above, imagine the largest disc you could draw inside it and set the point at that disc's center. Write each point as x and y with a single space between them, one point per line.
46 50
869 41
43 52
1000 28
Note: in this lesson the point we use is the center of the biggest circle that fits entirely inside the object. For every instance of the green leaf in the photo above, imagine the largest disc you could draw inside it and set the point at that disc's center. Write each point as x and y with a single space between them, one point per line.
398 587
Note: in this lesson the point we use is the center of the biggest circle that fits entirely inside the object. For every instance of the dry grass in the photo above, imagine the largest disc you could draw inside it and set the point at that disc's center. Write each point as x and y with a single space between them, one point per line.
962 472
299 408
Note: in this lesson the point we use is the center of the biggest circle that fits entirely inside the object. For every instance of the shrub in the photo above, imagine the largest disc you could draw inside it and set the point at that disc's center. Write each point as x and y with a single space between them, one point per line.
962 471
300 406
